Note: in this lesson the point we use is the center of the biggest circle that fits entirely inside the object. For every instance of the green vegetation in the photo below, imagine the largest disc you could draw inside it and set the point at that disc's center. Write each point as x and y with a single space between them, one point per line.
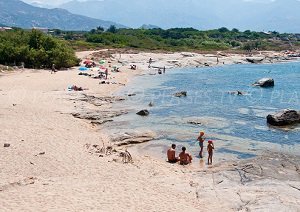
35 49
38 50
185 39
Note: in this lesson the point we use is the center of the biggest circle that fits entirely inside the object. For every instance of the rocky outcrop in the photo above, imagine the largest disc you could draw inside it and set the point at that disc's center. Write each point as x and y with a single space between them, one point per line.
133 138
265 82
143 113
283 118
99 101
181 94
99 117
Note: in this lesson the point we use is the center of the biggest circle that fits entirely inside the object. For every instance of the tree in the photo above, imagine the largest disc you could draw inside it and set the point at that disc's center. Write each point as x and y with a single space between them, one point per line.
100 29
112 29
235 30
223 30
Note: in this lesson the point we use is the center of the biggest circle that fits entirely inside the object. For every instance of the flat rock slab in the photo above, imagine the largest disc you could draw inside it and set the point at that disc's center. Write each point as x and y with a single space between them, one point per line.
99 101
99 117
133 138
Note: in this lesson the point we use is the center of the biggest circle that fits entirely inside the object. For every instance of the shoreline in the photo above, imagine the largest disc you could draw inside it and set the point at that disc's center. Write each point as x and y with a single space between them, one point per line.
68 159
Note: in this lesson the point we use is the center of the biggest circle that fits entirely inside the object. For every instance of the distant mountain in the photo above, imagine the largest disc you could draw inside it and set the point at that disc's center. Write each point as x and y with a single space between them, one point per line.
260 15
19 14
41 5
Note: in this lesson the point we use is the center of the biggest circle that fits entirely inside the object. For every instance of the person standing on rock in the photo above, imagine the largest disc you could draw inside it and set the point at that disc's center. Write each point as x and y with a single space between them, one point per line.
201 143
171 154
210 150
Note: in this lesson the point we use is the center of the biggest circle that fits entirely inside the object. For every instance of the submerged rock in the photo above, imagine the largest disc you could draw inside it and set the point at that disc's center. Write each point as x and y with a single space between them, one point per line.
132 94
265 82
143 113
181 94
239 93
151 104
285 117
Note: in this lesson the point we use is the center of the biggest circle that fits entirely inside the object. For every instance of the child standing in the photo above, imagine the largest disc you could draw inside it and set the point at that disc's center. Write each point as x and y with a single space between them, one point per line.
210 149
201 142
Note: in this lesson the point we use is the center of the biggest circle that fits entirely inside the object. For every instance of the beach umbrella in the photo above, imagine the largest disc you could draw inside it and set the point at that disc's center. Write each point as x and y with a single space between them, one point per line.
102 61
83 69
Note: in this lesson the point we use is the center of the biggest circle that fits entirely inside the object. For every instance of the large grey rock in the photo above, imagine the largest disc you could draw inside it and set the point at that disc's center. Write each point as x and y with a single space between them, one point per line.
181 94
143 113
285 117
254 59
265 82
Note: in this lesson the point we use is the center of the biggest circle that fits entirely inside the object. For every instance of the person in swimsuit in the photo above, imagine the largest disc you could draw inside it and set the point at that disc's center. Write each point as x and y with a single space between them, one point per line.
171 154
185 158
210 149
201 142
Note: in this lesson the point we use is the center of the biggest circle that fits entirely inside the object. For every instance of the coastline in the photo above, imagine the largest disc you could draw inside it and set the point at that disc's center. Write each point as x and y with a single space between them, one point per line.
72 173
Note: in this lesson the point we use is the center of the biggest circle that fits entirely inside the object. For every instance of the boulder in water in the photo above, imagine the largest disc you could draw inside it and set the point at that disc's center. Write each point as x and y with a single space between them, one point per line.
283 118
265 82
181 94
143 113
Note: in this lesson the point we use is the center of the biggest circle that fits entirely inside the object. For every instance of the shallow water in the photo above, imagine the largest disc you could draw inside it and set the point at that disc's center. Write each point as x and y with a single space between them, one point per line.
237 124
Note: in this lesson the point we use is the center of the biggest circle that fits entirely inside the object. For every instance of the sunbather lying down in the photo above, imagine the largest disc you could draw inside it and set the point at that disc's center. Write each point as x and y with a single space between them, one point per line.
76 88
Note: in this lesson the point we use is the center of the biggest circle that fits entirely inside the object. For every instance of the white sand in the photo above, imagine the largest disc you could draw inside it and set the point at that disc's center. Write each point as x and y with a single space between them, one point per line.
48 168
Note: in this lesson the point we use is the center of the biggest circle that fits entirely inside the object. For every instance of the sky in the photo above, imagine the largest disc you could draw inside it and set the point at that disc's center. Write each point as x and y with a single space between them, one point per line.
49 2
58 2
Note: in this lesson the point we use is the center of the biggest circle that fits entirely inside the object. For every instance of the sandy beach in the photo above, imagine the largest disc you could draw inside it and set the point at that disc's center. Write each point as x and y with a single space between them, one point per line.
60 158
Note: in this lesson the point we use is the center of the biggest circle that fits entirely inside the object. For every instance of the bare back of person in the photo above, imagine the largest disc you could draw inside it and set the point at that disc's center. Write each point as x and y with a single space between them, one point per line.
171 154
185 158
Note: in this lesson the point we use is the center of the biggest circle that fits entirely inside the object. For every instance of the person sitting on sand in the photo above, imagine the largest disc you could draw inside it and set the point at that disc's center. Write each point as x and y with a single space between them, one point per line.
171 154
210 149
185 158
201 142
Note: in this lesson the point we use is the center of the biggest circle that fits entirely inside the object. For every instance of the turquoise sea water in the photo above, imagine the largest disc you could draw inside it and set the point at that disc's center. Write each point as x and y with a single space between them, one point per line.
237 124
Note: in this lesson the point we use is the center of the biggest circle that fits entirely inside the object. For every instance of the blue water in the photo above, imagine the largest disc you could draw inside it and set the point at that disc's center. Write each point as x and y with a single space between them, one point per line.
238 123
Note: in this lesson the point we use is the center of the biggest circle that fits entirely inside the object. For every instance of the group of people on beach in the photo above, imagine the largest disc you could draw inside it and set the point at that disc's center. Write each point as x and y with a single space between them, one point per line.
185 158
